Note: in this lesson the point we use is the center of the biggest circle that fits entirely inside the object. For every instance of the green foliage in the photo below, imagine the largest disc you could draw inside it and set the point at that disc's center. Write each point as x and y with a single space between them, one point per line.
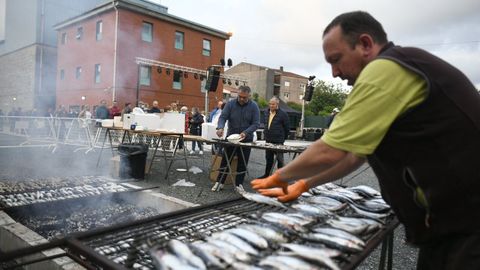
262 103
295 106
255 97
298 107
326 96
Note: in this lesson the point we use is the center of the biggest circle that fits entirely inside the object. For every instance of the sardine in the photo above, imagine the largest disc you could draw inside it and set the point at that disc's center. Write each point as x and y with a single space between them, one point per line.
167 261
262 199
238 253
249 236
341 234
333 241
377 216
209 256
243 266
314 210
184 252
326 202
351 225
289 262
267 232
216 251
236 241
321 255
365 191
284 220
372 206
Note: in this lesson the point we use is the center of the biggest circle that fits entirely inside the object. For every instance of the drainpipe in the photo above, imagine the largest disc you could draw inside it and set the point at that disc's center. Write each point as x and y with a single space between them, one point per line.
114 86
42 33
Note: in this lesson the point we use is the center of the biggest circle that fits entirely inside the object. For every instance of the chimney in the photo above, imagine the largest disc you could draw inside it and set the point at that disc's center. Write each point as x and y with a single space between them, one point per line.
281 68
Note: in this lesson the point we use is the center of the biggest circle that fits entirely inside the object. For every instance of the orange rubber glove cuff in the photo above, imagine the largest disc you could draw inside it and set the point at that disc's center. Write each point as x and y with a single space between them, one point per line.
270 182
295 190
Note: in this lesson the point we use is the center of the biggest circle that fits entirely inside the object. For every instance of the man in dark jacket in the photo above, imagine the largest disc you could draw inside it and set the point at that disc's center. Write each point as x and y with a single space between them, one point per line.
416 119
102 111
243 117
196 121
276 131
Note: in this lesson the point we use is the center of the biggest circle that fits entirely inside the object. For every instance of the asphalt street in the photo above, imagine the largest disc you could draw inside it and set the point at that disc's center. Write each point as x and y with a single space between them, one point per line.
34 162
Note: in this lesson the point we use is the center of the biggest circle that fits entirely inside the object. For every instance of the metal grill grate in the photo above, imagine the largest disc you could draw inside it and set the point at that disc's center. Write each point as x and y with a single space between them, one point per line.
126 246
130 245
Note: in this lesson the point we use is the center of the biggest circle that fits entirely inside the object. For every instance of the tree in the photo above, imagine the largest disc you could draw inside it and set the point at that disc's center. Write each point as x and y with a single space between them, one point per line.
326 96
298 107
261 102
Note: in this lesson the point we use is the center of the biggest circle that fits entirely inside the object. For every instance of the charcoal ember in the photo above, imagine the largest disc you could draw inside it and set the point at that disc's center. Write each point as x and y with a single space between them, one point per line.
78 190
83 216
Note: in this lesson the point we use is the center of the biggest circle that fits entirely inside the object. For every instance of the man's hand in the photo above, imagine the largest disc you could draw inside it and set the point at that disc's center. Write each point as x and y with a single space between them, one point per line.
242 136
220 132
295 190
270 182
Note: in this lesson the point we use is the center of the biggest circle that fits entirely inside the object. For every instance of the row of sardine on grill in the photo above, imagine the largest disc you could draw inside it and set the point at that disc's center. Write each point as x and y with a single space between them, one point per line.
321 234
17 199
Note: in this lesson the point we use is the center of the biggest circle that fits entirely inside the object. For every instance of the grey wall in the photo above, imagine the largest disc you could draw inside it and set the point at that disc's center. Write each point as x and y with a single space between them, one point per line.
25 19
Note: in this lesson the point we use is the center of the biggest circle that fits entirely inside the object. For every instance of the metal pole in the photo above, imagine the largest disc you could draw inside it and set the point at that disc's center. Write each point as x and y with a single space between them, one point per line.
138 85
206 102
302 120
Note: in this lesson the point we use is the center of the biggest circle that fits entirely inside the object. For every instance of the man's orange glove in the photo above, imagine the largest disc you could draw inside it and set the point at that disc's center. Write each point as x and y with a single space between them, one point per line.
272 192
270 182
295 190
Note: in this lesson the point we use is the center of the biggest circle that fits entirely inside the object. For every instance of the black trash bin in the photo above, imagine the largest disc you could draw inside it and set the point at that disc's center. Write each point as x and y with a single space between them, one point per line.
133 158
318 134
310 136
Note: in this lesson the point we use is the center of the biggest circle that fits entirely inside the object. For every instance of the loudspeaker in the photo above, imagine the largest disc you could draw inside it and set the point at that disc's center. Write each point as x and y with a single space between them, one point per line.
308 93
213 75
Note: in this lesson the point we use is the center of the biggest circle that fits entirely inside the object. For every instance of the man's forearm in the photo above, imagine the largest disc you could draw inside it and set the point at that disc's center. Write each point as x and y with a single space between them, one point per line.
317 158
347 165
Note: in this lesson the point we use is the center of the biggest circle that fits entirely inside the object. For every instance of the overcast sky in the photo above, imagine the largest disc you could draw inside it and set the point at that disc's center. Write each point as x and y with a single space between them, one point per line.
276 33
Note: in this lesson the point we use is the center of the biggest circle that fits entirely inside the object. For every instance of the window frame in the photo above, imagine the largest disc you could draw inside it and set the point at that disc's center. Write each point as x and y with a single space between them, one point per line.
79 35
144 23
99 30
144 76
182 41
97 73
205 51
78 73
177 85
63 38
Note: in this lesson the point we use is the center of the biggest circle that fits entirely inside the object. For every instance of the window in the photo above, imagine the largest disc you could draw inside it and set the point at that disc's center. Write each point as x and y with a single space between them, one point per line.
147 32
287 84
177 80
78 72
286 95
62 74
3 20
145 75
99 30
79 35
179 40
64 38
206 47
98 69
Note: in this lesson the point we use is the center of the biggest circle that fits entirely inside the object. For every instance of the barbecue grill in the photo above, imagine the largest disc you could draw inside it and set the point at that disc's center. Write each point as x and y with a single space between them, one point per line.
127 245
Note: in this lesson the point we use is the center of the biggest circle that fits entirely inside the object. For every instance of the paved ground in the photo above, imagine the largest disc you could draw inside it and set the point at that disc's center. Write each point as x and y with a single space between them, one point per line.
36 162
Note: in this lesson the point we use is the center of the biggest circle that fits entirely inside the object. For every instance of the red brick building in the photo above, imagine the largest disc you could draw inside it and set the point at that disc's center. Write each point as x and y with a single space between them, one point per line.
97 51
